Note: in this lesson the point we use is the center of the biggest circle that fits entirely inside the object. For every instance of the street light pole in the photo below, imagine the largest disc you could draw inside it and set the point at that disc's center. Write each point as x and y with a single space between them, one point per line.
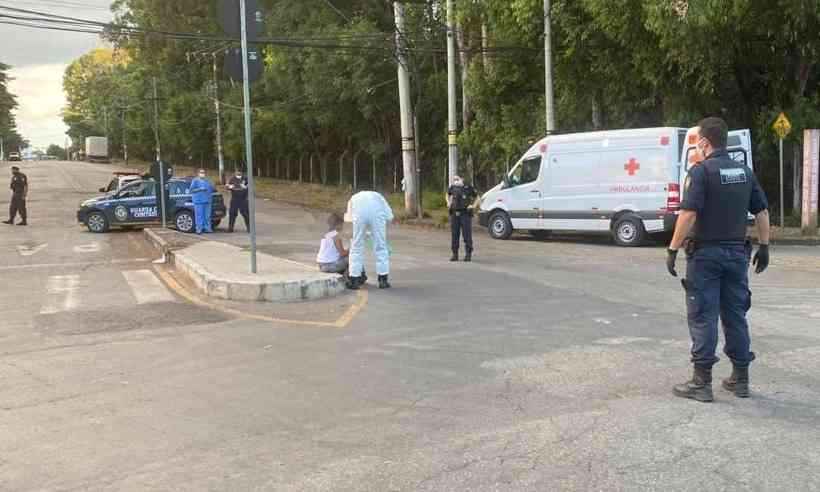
248 135
218 107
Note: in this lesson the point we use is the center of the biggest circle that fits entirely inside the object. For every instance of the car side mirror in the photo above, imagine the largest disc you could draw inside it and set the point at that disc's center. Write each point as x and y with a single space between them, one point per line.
102 190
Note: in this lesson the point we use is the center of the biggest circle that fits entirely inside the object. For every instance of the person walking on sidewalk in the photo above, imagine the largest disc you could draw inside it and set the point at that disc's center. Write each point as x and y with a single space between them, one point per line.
719 192
461 202
238 186
19 193
203 195
369 212
333 257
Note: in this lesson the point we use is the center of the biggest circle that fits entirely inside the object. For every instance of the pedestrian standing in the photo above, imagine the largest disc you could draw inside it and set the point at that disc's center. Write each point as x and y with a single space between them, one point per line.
203 195
238 186
462 200
369 212
19 193
719 193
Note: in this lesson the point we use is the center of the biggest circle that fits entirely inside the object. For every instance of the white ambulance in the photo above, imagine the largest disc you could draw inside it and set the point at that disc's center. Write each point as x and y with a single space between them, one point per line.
626 183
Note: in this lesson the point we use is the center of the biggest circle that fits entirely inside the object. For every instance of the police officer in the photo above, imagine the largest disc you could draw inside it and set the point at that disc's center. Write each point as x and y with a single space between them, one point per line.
719 192
19 192
461 201
238 186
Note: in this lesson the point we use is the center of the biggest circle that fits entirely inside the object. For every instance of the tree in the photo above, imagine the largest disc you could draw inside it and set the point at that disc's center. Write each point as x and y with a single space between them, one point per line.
57 151
8 103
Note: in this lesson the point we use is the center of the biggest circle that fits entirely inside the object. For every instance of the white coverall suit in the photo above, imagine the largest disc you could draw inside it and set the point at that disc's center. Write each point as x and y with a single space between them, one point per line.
369 210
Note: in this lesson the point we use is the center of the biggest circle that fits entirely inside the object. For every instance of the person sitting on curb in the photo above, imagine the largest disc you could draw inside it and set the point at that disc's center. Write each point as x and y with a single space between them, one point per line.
333 257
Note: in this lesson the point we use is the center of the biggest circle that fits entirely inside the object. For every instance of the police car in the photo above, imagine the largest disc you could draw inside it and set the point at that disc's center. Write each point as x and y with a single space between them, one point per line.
136 204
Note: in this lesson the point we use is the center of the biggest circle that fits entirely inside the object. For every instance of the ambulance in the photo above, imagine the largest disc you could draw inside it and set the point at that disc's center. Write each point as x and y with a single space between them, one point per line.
626 183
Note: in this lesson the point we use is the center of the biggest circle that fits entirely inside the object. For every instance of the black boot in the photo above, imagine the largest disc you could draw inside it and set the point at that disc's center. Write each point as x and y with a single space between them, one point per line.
24 223
468 256
738 382
383 283
363 278
9 222
354 283
454 257
699 387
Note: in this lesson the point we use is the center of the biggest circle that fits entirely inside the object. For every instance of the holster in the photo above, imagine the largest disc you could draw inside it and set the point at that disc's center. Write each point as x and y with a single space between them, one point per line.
690 246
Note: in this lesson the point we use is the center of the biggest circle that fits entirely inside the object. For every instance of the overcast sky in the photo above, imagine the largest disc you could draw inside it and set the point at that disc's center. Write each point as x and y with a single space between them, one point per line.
39 58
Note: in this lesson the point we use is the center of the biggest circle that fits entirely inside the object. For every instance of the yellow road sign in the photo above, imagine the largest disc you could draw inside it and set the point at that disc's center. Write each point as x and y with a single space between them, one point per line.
782 126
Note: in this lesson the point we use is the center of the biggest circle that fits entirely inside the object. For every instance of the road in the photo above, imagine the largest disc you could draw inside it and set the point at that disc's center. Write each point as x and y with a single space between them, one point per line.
544 365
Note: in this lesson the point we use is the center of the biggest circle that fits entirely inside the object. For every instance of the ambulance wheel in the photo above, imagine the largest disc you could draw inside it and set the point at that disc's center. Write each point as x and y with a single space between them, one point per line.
97 223
629 231
500 226
184 222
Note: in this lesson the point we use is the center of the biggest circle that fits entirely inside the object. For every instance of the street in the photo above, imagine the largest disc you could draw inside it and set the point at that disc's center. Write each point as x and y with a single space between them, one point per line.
543 365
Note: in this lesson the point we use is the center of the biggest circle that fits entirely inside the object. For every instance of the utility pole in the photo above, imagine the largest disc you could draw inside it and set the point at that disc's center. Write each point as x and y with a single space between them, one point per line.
550 96
156 121
452 128
248 135
218 107
125 134
408 142
159 156
2 149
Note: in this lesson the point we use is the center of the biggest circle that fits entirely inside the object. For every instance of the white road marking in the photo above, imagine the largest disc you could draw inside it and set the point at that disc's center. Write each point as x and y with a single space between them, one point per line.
87 248
75 264
62 294
147 288
29 251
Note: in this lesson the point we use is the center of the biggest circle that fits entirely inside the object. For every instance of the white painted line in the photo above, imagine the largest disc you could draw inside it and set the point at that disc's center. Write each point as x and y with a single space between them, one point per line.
29 251
62 294
83 264
147 288
87 248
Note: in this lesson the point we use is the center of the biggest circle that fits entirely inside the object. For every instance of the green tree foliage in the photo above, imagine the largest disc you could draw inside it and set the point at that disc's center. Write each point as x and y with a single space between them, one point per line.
55 150
8 125
329 87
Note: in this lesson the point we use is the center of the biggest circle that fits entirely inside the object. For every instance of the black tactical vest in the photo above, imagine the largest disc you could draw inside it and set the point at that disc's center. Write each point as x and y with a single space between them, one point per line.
728 193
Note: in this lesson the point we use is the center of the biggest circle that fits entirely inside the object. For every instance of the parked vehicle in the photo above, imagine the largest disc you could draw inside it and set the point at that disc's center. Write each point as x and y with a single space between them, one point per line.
96 149
136 204
626 183
14 157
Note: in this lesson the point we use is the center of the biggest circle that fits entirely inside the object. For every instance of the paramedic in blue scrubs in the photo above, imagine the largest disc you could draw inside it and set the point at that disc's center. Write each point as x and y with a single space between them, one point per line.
203 195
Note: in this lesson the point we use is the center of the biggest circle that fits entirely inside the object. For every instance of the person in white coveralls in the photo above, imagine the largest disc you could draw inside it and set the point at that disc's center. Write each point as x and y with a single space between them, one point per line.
369 212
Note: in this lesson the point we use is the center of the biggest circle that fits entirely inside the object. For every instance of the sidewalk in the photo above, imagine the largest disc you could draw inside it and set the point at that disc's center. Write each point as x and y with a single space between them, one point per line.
222 271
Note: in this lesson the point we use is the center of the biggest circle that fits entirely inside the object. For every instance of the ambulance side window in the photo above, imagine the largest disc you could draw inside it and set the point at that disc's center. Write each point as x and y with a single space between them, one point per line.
526 172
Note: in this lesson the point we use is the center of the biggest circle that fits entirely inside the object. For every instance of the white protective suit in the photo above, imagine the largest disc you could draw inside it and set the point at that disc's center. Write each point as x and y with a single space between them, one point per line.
369 211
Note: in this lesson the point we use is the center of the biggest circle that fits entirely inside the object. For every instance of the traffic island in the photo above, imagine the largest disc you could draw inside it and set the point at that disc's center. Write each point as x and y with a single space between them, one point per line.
222 271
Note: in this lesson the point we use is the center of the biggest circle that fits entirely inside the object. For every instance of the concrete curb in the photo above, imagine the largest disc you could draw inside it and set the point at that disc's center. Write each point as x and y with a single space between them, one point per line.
324 286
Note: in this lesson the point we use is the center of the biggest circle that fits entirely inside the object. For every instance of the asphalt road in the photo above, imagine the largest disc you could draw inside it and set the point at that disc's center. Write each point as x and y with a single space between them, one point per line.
544 365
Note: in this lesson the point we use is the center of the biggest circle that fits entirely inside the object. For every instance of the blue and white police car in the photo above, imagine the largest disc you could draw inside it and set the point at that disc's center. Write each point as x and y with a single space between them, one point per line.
137 204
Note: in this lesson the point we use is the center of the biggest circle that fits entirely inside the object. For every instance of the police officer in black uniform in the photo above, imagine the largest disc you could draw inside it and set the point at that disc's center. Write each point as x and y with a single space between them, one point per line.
238 185
461 201
719 193
19 192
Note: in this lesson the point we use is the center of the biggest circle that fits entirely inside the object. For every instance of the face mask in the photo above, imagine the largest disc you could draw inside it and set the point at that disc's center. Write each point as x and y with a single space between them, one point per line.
202 175
239 176
458 183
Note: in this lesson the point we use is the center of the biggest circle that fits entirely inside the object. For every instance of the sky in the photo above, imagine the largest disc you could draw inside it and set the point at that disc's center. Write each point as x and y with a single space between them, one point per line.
39 59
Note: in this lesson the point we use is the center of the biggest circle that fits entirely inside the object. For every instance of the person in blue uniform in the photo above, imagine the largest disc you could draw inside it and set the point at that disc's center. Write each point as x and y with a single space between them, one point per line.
238 186
462 200
19 192
719 193
203 194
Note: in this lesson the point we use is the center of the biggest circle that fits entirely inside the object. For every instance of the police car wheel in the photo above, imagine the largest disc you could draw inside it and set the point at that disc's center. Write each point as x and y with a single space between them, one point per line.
629 231
500 226
184 222
97 223
215 223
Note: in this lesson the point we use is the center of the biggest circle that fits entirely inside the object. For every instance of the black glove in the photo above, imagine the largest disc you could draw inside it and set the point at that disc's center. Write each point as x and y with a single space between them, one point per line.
671 258
761 260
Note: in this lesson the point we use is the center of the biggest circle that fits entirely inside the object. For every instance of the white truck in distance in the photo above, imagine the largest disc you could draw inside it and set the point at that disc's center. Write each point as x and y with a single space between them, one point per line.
96 149
626 183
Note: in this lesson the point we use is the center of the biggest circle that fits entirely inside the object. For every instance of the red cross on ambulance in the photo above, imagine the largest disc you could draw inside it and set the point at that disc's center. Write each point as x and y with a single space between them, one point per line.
632 167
